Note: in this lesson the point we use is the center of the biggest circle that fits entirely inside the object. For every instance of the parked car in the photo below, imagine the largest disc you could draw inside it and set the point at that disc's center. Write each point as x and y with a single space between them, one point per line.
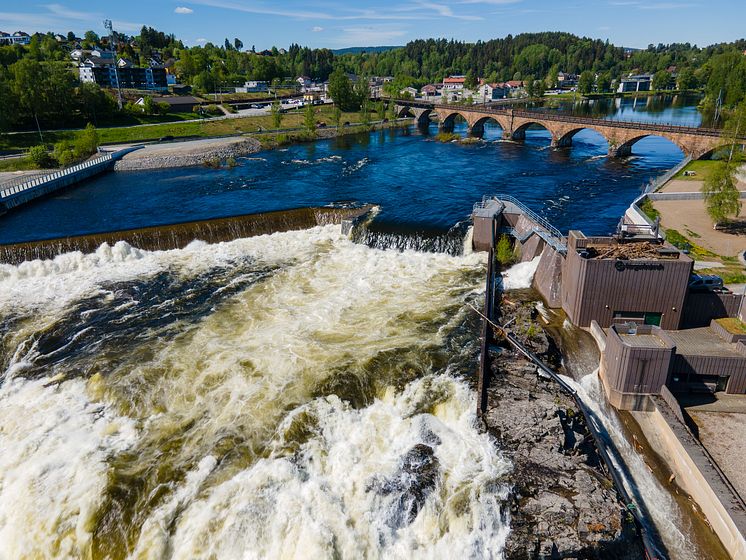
705 283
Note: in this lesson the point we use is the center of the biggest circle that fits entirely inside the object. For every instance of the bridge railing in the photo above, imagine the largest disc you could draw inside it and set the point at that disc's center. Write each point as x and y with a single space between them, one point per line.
24 183
553 236
651 126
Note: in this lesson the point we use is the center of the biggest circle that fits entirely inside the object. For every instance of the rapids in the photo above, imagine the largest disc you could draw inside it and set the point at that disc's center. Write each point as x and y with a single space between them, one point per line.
294 395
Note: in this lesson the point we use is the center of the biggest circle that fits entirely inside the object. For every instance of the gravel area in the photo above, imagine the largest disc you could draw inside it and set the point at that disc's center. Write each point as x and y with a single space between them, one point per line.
185 154
722 433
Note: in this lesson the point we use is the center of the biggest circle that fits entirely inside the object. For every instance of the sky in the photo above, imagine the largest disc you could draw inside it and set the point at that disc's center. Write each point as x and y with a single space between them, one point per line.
347 23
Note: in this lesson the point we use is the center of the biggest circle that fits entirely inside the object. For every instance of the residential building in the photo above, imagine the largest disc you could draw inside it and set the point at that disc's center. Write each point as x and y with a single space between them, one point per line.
107 74
566 80
454 83
491 92
430 90
638 82
410 91
17 38
303 81
254 86
177 104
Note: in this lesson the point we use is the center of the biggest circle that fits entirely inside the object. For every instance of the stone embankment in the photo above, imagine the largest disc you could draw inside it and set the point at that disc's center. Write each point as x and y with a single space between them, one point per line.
186 154
563 504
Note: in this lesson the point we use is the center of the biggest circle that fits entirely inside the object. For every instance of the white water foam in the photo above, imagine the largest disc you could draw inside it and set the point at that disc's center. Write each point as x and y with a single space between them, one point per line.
658 502
322 502
55 443
520 275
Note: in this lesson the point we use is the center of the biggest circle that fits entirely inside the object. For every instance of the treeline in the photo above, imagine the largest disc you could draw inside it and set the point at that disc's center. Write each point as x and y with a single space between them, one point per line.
37 82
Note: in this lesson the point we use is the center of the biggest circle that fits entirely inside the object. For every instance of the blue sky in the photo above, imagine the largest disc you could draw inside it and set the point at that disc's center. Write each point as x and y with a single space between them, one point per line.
344 23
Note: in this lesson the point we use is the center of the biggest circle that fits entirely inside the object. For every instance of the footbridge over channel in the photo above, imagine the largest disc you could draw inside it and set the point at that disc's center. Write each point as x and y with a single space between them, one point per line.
695 142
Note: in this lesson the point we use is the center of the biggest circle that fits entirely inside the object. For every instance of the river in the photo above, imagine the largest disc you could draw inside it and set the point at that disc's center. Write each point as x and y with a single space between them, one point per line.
294 395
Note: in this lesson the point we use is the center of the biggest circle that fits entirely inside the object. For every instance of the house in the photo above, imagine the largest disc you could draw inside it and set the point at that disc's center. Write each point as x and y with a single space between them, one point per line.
430 90
490 92
124 63
177 104
567 80
410 91
17 38
637 82
454 83
254 86
103 54
60 38
108 74
303 81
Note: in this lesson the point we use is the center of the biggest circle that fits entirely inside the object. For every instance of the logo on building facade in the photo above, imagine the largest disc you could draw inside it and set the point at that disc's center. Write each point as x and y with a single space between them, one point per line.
627 265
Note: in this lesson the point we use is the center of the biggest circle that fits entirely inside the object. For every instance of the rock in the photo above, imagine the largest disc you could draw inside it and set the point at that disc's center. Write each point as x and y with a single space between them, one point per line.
562 505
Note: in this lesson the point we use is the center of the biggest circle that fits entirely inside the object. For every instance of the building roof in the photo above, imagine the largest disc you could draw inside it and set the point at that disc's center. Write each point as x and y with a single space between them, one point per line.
514 83
179 100
454 80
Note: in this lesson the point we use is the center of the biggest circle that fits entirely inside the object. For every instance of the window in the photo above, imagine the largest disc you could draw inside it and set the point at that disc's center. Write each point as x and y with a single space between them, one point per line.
644 317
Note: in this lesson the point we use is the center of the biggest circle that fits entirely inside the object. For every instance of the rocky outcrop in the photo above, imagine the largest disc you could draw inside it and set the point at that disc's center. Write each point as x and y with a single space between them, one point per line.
563 505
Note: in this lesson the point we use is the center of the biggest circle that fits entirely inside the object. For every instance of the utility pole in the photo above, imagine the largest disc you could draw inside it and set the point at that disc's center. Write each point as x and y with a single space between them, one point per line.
112 44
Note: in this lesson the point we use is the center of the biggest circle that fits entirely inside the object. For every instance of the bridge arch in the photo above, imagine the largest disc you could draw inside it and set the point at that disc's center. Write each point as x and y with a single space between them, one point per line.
564 138
448 119
624 149
519 132
403 111
477 127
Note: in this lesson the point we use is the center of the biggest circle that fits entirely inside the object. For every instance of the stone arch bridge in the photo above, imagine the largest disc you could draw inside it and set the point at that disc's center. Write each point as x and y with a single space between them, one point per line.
621 135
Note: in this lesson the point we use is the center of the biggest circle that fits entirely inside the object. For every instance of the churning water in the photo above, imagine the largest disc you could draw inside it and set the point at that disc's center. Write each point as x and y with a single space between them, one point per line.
295 395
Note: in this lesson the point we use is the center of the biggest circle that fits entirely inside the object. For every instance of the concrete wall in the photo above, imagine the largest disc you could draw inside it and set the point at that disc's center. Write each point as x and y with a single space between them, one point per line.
696 475
631 372
531 248
548 277
700 308
483 236
593 289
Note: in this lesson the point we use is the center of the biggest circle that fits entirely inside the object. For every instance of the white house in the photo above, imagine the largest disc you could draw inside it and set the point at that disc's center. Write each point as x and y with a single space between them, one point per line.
409 91
490 92
253 86
303 81
17 38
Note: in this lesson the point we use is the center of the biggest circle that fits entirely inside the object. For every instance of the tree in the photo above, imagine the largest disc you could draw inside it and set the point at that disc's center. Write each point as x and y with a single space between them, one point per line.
539 88
504 253
340 90
687 80
228 45
604 82
70 36
722 198
237 43
87 142
276 113
586 82
148 105
90 39
28 77
337 116
528 83
661 80
309 118
470 80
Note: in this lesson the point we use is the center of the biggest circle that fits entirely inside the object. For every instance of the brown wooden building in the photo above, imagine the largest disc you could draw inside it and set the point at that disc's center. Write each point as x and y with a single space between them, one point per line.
610 290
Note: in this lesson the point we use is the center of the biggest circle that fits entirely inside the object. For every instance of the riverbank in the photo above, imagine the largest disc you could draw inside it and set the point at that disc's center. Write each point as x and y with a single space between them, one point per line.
215 152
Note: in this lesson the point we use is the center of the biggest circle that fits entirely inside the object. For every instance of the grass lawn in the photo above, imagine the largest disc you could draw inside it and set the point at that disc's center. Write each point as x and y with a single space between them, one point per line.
701 167
733 325
17 164
225 127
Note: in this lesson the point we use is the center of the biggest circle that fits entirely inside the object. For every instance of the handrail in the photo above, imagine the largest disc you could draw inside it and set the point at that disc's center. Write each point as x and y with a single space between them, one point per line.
509 112
23 184
558 241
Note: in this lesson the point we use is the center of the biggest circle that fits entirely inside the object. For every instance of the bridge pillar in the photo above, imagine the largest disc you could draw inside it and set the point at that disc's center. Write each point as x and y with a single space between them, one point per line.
625 150
561 142
476 130
445 126
518 135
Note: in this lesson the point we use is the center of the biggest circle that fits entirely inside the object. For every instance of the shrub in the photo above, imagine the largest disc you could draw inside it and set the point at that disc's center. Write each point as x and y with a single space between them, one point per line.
504 253
40 157
231 162
64 153
86 143
649 210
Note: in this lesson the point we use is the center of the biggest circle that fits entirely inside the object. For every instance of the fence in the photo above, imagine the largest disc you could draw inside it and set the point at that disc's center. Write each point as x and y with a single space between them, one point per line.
24 184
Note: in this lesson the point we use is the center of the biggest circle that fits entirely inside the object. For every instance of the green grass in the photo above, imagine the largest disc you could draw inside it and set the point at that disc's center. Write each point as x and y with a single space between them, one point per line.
733 325
649 210
17 164
205 129
701 167
447 137
677 239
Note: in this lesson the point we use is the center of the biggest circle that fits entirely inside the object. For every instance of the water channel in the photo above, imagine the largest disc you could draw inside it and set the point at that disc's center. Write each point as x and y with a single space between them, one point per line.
293 395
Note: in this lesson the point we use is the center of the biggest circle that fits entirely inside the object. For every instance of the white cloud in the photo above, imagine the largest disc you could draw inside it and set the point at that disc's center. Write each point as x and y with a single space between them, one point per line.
201 41
183 10
67 13
317 29
357 36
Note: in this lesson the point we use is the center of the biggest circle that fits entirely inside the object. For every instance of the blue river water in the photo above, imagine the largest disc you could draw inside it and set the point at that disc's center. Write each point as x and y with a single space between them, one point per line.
420 184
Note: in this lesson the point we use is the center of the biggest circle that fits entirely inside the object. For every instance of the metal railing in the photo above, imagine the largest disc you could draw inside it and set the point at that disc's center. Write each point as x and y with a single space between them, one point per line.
24 184
650 126
500 197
